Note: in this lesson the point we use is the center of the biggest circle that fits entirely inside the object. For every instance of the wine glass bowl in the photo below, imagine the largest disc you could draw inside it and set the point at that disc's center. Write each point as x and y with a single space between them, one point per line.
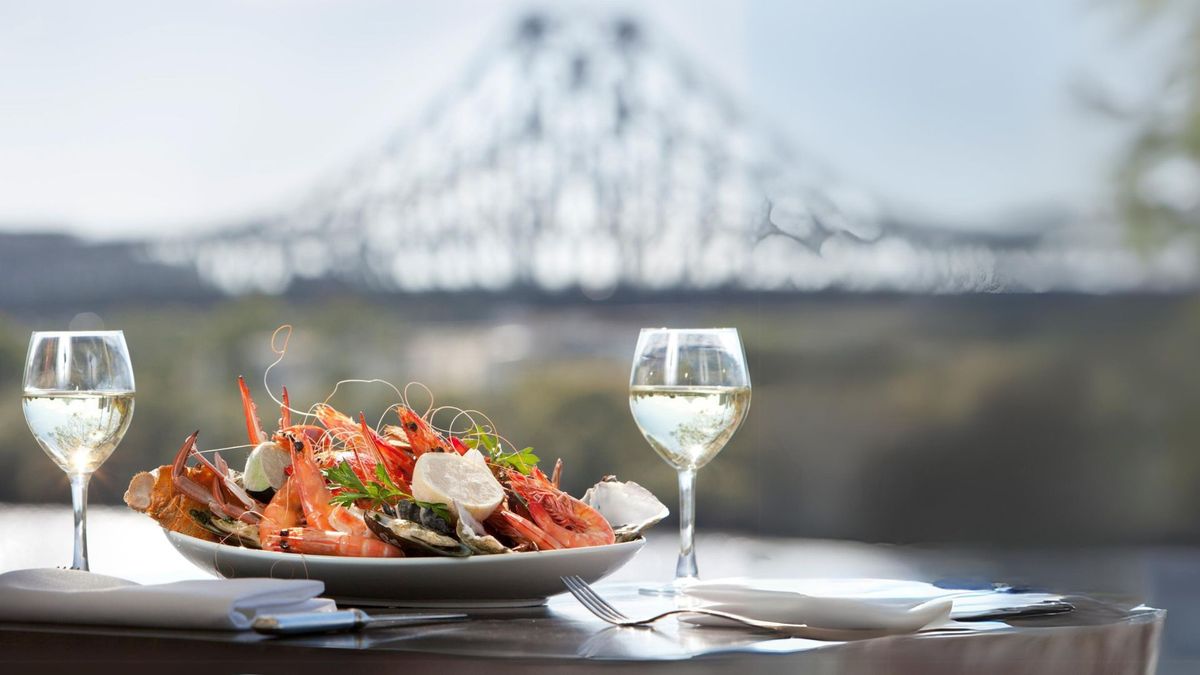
78 402
689 391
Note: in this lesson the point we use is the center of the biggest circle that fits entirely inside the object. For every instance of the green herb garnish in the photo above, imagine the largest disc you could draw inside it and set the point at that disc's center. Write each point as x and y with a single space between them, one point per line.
523 461
479 438
381 492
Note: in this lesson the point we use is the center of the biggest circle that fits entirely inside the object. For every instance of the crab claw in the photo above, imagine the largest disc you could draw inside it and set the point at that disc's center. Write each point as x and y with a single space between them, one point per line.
214 498
185 451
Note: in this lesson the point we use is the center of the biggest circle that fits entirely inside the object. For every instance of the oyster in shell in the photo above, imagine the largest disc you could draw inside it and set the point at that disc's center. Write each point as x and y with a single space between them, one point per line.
414 538
627 506
472 534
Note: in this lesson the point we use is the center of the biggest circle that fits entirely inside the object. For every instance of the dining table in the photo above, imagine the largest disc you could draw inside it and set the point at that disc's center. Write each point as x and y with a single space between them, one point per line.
1119 625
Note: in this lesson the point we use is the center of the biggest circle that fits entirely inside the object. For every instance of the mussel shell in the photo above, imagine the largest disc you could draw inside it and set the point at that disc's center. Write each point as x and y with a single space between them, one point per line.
409 510
413 537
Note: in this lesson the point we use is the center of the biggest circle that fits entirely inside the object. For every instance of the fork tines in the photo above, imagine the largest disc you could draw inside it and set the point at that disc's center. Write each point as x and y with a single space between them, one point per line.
592 601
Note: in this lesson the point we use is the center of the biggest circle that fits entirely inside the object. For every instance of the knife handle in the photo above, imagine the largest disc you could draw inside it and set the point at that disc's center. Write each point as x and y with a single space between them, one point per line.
300 623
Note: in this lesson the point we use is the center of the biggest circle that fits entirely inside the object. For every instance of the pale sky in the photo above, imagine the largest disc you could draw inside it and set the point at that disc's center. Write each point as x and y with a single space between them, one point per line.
135 117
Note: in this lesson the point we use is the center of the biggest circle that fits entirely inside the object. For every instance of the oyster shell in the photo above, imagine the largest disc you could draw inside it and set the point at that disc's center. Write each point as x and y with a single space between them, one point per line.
414 538
630 508
474 536
227 528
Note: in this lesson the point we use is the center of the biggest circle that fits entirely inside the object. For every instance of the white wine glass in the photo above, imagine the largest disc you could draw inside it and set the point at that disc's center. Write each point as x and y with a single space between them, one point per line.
78 401
689 392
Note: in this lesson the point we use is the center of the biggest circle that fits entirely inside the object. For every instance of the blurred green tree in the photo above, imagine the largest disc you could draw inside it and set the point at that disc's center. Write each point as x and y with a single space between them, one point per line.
1158 180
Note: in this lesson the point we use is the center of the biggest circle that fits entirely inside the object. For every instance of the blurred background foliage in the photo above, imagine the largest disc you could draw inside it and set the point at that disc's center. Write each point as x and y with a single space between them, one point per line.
1158 179
987 419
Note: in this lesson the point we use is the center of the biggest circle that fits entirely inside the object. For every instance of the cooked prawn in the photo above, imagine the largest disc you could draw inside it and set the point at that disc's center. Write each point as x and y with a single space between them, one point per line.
420 435
520 529
565 519
285 411
322 542
368 446
279 529
283 512
315 497
253 427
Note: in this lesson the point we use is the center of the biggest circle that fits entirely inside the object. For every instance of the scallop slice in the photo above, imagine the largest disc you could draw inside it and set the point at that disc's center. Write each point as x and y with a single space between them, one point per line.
449 478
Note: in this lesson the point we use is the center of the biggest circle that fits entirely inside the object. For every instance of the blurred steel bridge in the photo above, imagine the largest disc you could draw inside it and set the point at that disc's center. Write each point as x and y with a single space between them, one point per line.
583 154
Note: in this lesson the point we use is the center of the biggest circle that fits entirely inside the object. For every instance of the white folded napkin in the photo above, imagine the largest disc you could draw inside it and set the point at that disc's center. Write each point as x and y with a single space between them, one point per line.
839 604
71 596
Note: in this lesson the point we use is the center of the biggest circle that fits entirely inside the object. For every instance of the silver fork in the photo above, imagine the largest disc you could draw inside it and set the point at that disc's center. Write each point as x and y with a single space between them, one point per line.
597 605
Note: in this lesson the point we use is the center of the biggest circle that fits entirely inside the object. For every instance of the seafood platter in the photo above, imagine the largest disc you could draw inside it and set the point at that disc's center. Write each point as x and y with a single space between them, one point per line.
399 513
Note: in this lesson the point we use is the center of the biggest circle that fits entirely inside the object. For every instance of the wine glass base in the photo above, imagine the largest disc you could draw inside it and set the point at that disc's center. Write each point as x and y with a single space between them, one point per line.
669 590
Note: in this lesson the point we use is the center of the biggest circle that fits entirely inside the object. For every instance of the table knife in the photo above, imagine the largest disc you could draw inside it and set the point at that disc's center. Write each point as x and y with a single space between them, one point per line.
1044 608
301 623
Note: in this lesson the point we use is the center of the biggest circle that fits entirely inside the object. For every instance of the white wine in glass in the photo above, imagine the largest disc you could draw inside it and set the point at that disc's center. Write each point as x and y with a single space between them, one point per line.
689 392
688 426
78 401
78 431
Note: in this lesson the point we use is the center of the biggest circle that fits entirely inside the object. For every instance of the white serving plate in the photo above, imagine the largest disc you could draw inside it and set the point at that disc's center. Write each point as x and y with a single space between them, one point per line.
506 580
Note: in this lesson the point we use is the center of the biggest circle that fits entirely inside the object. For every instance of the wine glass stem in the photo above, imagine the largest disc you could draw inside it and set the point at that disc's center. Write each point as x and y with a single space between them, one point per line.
79 485
685 569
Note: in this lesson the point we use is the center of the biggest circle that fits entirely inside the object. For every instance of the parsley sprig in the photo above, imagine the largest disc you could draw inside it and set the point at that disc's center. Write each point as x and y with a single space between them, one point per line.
520 460
382 491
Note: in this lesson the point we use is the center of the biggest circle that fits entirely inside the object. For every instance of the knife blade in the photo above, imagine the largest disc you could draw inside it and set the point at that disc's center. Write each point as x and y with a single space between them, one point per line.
1046 607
